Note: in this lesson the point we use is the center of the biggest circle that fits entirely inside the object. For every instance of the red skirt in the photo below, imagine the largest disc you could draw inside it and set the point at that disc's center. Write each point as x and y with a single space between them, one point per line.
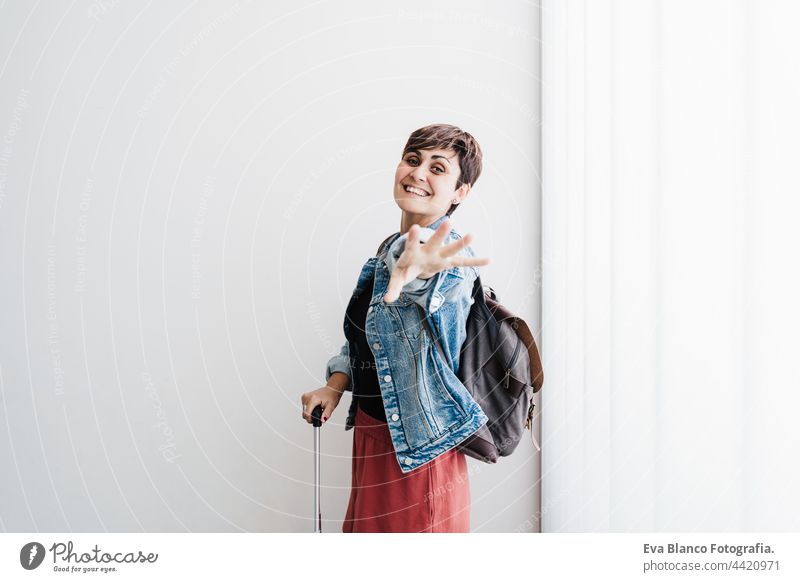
432 498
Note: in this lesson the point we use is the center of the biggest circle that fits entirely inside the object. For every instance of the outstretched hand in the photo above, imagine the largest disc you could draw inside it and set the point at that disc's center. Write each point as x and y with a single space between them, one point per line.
425 260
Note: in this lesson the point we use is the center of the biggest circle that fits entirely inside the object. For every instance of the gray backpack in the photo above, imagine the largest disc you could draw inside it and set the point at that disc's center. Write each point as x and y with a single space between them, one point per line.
500 366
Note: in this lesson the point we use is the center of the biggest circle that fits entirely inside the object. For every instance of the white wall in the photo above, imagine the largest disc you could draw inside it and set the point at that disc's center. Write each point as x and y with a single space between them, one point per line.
187 192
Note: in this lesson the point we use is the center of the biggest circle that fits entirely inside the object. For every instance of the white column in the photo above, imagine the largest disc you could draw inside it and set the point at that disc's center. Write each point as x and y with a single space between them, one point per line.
670 309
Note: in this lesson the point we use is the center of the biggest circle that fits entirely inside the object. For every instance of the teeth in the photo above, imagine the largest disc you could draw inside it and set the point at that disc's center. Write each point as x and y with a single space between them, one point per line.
416 191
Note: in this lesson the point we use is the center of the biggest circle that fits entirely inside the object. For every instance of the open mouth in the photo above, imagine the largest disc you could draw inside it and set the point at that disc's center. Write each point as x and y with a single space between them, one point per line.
416 191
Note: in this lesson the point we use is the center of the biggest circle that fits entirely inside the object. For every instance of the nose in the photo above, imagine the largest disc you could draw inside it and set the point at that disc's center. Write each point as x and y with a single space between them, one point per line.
418 173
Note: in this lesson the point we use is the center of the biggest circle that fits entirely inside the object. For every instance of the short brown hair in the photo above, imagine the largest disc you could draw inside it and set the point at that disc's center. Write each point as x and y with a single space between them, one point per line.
444 136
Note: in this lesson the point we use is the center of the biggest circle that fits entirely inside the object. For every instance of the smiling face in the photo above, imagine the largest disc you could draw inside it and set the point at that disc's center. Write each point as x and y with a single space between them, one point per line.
425 183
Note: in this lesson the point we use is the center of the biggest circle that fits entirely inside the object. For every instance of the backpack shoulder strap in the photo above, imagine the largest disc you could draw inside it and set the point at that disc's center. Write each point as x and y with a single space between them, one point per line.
524 333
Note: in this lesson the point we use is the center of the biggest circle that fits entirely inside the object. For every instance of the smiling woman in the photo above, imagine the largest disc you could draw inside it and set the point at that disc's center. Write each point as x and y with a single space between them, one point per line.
408 475
440 163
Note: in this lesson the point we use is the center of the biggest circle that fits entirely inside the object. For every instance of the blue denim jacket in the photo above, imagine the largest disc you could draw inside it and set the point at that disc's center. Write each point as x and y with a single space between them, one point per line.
428 410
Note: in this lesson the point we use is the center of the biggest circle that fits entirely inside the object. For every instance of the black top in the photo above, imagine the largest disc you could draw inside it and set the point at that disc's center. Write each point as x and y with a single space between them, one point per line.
365 382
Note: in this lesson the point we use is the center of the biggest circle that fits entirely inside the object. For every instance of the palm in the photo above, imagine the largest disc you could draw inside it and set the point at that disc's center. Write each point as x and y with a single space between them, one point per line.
425 260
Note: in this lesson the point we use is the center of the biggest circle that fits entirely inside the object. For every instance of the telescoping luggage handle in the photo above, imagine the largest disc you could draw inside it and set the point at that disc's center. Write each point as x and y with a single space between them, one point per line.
316 421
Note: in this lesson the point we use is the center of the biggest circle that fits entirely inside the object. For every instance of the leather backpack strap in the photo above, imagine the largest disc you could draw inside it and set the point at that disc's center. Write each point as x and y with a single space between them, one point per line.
524 333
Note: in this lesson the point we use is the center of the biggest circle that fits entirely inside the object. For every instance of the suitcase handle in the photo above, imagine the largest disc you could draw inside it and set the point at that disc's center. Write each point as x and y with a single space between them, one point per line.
316 420
316 416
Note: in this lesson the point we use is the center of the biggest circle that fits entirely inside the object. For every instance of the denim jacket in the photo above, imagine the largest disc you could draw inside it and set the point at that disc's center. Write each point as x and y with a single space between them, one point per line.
428 410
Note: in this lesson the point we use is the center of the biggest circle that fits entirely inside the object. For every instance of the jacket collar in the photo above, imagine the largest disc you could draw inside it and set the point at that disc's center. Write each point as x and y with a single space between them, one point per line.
433 226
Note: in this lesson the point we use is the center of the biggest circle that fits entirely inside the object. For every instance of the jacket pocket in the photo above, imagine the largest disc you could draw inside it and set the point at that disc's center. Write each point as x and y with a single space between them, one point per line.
407 323
436 380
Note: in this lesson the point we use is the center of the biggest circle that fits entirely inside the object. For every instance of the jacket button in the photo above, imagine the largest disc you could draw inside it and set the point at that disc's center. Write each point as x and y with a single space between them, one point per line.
387 378
408 461
395 416
376 345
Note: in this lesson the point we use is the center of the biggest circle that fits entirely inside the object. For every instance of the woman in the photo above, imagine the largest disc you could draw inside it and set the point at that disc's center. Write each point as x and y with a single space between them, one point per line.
409 409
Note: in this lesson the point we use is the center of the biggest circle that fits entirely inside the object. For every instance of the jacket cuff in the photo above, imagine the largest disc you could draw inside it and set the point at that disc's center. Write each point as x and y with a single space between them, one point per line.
340 363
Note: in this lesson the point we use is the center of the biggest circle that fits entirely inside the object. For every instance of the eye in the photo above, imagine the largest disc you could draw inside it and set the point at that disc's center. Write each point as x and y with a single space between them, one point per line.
414 161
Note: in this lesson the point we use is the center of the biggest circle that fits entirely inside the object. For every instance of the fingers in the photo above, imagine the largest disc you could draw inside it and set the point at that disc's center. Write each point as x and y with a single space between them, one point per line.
438 258
470 261
396 282
450 251
400 276
326 397
307 408
327 410
456 246
310 402
413 236
441 233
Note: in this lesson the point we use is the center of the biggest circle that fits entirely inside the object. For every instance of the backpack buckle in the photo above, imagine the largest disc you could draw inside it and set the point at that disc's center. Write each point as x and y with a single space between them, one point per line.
529 421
